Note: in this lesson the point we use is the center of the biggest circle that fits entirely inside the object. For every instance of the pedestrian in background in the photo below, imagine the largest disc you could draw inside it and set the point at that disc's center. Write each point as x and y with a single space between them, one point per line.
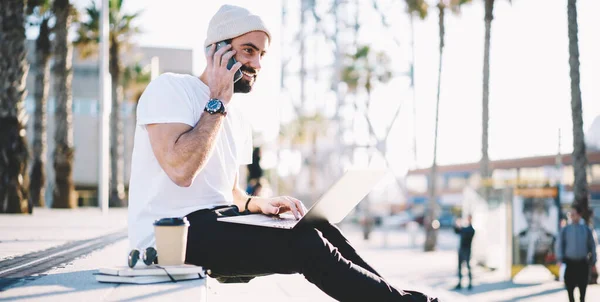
577 250
466 232
594 271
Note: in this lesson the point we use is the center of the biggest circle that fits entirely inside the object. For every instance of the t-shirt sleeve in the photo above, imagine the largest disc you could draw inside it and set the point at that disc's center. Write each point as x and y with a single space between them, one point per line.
165 100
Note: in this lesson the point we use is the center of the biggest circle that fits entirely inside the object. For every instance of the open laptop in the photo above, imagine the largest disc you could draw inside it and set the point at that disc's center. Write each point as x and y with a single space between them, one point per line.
333 206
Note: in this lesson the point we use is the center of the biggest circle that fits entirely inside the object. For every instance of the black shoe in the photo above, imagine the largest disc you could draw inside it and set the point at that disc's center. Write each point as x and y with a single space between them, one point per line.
457 287
470 287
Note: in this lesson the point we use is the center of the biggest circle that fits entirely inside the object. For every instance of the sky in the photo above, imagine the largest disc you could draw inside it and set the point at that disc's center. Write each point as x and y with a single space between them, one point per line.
529 81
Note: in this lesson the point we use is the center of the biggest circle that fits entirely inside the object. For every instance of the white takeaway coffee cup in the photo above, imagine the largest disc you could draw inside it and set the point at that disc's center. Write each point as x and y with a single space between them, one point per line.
171 240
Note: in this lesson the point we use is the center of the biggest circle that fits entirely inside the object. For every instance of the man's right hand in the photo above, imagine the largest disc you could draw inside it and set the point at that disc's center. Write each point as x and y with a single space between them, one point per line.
220 79
279 205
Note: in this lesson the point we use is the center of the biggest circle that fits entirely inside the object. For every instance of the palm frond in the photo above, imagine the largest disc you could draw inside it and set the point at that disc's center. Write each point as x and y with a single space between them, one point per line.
135 79
367 67
417 7
116 4
87 40
37 7
455 5
121 29
362 52
300 130
37 11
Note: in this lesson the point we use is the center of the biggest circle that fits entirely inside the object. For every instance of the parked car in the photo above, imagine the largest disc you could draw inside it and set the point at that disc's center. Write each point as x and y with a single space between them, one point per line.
397 220
446 220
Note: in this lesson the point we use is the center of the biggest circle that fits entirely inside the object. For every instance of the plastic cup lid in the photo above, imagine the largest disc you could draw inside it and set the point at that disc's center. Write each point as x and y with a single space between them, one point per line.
172 221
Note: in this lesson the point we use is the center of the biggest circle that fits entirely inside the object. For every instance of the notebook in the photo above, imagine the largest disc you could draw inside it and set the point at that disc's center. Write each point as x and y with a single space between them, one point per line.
145 279
149 274
152 270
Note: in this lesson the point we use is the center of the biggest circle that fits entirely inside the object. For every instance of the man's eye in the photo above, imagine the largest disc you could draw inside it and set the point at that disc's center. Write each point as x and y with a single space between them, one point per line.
248 50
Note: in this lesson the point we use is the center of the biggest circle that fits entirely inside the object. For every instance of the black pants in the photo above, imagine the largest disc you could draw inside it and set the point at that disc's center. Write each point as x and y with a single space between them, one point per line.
319 251
576 275
464 255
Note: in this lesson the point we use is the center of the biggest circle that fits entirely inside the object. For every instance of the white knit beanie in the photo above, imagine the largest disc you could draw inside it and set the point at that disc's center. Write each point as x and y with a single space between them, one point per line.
233 21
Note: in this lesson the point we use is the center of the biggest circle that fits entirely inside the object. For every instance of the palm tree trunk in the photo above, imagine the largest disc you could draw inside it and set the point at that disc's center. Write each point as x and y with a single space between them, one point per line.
430 231
313 162
485 160
303 8
412 86
580 186
38 174
117 189
64 193
13 147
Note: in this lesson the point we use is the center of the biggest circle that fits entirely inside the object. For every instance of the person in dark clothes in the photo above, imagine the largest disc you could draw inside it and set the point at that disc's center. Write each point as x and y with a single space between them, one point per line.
464 251
577 250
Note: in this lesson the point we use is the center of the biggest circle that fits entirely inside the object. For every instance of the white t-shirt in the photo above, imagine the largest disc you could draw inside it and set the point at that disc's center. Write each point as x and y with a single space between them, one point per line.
176 98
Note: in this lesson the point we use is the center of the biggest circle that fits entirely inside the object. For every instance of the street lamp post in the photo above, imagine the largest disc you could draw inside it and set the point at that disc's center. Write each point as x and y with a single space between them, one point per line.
104 106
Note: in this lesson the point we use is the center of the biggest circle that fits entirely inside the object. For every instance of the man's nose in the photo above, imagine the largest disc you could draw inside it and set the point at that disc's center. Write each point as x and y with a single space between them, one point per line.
255 63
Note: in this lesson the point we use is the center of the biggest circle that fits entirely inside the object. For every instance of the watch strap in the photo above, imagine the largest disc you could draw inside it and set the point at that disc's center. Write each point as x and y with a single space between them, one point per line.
246 210
221 109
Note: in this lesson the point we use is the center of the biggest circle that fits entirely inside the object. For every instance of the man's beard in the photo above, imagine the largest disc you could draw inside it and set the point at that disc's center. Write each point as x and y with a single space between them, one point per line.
243 85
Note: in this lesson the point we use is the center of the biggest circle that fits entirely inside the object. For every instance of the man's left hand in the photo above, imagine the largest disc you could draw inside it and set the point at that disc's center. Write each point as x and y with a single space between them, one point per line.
282 204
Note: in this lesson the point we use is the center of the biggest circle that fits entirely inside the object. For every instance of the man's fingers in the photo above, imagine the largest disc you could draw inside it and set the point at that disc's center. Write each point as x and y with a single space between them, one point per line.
209 55
299 205
272 209
292 205
225 58
235 67
219 54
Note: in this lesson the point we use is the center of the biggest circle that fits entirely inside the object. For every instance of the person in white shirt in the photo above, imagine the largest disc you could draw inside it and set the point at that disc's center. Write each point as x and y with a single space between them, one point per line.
190 141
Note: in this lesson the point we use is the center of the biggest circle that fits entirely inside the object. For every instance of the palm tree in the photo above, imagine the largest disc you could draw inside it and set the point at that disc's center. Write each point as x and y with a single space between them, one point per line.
306 129
135 79
40 11
580 186
417 7
431 231
362 70
120 33
13 146
485 160
64 190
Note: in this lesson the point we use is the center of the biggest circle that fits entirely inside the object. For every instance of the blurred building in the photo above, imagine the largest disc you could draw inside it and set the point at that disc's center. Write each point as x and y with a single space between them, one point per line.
592 136
85 109
529 171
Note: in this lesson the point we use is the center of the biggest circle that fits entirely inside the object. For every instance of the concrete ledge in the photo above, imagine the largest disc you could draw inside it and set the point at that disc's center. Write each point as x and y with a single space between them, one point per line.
76 282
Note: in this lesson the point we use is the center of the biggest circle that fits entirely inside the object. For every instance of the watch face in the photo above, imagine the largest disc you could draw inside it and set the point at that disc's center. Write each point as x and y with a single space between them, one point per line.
213 105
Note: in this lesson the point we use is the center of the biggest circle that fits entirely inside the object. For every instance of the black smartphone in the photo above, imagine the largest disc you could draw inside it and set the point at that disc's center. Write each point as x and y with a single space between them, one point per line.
232 61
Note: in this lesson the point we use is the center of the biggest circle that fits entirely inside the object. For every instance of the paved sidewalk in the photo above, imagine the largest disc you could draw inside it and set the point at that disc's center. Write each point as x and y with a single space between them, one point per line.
404 266
399 262
75 282
407 267
50 230
46 228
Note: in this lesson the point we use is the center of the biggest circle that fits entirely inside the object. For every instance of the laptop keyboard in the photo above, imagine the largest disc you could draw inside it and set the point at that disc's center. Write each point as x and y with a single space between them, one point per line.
283 222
